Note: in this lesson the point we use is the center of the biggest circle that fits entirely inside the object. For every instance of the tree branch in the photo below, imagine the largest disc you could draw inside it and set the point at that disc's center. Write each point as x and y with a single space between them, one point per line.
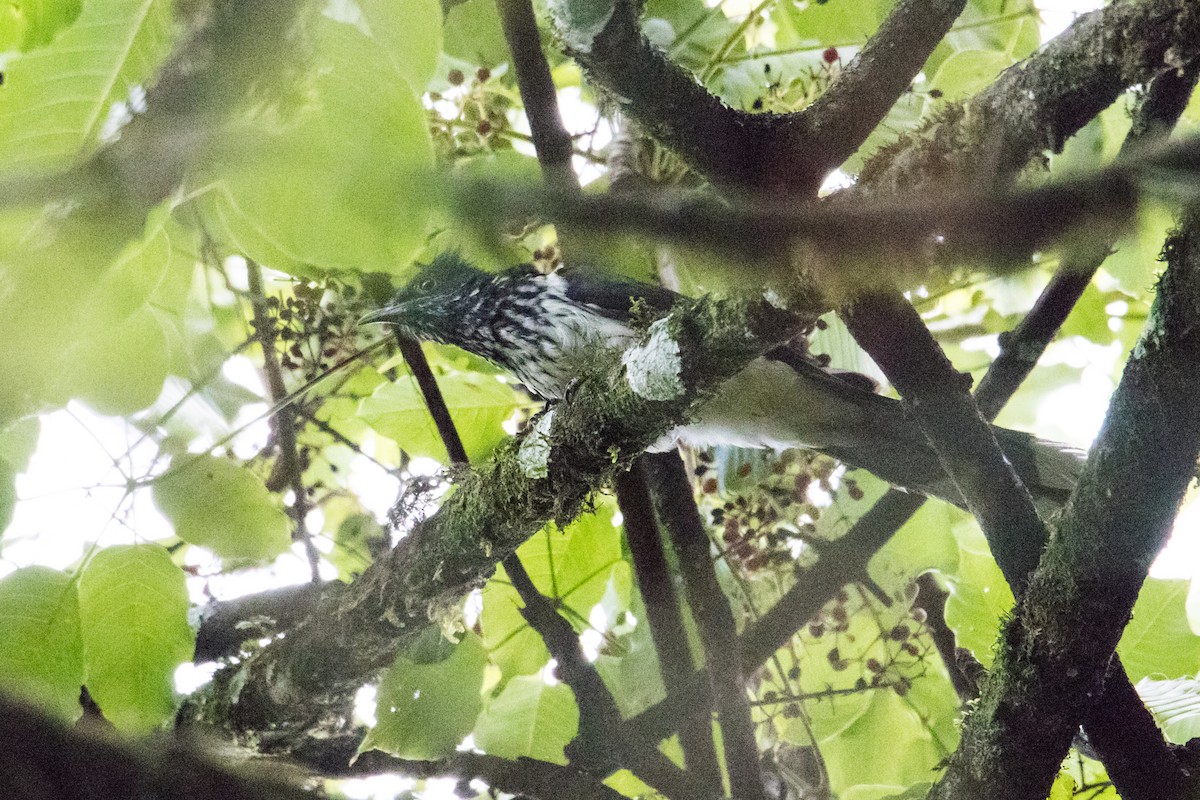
892 333
737 150
597 742
286 685
42 759
841 561
287 471
845 115
551 141
657 587
1153 120
414 356
1057 646
672 492
1043 101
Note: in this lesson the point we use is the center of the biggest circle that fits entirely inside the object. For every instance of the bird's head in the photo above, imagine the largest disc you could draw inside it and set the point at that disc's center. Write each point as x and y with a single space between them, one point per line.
438 301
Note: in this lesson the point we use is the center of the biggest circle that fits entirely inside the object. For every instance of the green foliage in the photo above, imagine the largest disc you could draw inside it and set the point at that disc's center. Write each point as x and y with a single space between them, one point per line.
529 718
133 607
41 653
578 566
478 404
425 707
29 24
58 98
214 503
355 160
327 170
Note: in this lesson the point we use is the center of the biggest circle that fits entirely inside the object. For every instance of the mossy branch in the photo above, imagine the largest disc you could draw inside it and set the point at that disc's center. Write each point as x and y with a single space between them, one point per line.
495 507
1056 648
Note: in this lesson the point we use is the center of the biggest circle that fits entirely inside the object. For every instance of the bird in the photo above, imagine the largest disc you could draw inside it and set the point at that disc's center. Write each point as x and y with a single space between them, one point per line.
536 325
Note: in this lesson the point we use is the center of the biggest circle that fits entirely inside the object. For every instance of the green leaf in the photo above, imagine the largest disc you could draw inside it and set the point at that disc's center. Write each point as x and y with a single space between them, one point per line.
478 405
473 33
574 566
340 185
411 34
26 24
1175 705
967 72
424 710
529 719
1158 640
119 369
133 606
832 23
58 98
8 493
979 597
888 726
218 504
41 654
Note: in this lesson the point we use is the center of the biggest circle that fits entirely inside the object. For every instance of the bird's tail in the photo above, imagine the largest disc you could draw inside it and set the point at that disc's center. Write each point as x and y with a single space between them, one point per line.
776 405
1048 469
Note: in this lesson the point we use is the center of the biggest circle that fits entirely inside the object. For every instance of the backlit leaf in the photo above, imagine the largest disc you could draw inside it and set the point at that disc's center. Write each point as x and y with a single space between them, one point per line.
133 606
218 504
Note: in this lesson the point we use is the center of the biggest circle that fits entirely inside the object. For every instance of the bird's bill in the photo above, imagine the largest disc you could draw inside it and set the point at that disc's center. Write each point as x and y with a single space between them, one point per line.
386 314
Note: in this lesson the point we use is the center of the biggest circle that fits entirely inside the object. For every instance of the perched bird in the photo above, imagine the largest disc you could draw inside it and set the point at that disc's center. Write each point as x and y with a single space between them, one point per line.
534 324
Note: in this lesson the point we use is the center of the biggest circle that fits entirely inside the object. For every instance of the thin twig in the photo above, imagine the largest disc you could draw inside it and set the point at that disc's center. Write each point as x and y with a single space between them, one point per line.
287 470
410 348
598 713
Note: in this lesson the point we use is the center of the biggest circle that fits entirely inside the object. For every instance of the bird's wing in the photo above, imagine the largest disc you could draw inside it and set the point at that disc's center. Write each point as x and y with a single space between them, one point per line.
613 299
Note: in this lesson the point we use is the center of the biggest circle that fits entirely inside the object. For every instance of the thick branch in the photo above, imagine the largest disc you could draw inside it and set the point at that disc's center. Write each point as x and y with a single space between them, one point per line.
843 117
892 333
761 153
892 236
1042 102
1058 644
42 759
672 492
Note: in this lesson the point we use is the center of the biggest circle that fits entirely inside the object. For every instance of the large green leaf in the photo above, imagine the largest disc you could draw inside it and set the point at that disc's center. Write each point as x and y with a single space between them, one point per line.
58 98
424 709
478 405
979 597
133 606
41 654
218 504
26 24
120 369
473 33
411 34
888 726
1158 640
342 184
529 718
576 566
